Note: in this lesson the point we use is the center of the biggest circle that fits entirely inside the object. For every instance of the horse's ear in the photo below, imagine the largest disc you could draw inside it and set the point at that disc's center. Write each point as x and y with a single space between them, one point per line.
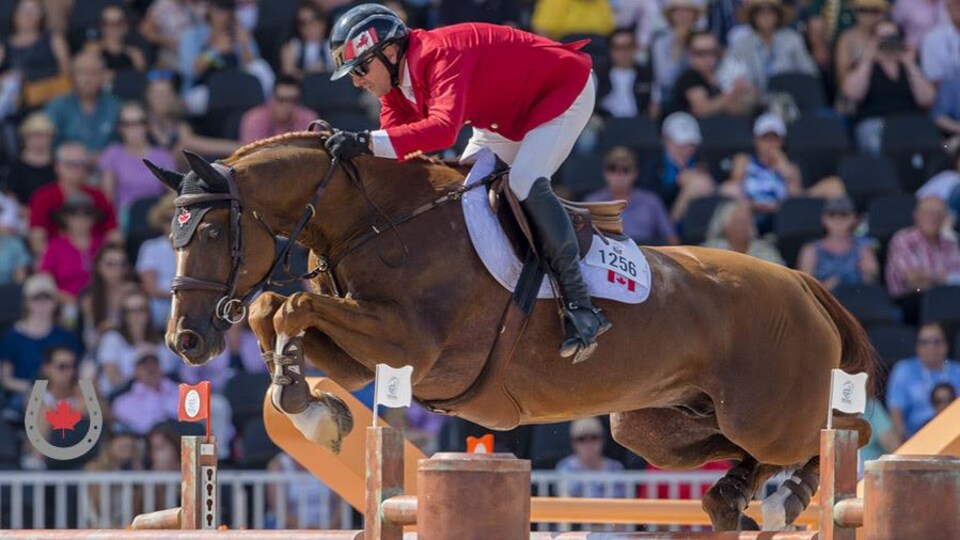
207 172
171 179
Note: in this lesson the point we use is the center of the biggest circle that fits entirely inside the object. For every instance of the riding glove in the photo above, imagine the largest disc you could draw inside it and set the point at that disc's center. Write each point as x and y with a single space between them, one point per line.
347 145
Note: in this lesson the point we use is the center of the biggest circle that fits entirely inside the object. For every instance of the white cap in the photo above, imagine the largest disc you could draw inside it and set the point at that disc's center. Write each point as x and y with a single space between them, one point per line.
769 123
681 128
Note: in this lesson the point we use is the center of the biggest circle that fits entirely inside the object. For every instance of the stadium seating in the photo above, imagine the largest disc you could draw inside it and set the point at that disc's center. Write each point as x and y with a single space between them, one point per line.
582 174
639 134
549 443
816 143
869 303
244 392
806 90
866 177
138 227
325 96
912 141
723 137
942 304
12 305
797 223
893 341
256 448
129 85
275 23
696 221
230 92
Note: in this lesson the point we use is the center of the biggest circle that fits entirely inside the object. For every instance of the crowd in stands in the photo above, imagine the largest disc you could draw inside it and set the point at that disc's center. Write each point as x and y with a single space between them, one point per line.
820 134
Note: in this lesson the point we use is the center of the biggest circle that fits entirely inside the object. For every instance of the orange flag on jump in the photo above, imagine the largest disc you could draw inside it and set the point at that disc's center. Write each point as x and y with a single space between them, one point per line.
195 403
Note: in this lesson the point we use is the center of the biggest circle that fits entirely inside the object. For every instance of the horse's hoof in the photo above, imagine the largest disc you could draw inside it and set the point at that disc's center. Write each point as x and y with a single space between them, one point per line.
747 523
325 421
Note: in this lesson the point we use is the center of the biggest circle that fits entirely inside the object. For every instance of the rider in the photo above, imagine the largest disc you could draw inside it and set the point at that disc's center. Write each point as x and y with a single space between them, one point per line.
527 99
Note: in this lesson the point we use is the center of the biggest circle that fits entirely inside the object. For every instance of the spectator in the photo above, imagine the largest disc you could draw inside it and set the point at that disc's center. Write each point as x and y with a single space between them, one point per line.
163 454
587 438
559 18
100 302
123 176
734 228
168 129
151 400
945 185
247 348
22 347
643 16
14 257
946 108
769 47
913 379
119 348
282 113
219 45
917 18
88 114
623 89
839 258
33 169
884 438
308 51
32 54
887 80
700 91
119 451
942 396
156 263
59 368
827 19
668 51
112 46
486 11
70 254
645 219
938 51
921 257
854 41
678 177
165 22
72 166
309 505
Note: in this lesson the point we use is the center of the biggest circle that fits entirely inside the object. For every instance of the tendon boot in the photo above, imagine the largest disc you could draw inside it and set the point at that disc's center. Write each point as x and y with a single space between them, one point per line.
557 244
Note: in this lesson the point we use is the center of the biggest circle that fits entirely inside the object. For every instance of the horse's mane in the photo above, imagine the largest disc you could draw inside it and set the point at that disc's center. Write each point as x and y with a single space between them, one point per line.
284 138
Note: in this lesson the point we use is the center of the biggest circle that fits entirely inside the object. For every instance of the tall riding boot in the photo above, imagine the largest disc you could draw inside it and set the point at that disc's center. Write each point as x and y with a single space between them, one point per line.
558 246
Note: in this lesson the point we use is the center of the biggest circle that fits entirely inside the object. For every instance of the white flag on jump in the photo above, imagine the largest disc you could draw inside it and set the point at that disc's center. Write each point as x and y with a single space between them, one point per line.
848 393
393 387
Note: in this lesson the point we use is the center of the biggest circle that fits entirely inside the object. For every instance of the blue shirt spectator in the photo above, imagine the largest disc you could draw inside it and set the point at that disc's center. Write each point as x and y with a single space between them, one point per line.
913 379
946 109
587 439
87 115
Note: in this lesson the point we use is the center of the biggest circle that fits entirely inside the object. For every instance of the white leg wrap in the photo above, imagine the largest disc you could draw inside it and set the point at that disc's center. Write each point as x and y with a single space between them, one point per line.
317 424
774 511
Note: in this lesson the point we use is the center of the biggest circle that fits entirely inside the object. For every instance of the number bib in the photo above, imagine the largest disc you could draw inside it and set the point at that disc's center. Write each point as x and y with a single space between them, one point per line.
617 258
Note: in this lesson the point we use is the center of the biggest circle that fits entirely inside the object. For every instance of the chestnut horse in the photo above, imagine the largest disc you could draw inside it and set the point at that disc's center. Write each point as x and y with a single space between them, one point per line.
729 358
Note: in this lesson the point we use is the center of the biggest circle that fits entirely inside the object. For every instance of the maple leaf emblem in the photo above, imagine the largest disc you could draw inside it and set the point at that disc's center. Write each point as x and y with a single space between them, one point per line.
363 41
63 417
184 217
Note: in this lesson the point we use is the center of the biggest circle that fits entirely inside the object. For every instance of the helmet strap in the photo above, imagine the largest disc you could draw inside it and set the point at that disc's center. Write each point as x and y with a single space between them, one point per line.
393 68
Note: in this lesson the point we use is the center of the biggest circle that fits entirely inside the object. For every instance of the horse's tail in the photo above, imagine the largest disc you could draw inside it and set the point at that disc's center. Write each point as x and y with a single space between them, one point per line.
857 352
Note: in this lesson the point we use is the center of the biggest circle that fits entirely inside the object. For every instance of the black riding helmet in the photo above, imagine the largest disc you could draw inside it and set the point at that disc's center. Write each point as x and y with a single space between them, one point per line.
362 33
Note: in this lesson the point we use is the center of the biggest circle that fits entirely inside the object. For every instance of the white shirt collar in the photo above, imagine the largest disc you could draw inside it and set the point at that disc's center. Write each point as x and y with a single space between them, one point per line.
406 85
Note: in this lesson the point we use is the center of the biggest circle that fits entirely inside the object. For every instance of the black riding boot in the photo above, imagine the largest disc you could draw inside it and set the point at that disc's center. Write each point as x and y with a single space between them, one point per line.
557 243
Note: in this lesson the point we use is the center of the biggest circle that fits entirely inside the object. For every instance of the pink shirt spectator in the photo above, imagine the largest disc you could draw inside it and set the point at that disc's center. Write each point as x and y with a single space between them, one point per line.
917 17
144 407
909 250
71 268
48 199
257 123
133 180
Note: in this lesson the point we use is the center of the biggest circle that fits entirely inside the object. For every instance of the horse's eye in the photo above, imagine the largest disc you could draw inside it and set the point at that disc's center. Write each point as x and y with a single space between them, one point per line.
212 232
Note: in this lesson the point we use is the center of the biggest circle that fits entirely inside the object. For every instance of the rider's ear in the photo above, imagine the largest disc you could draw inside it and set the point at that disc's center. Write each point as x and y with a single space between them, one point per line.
171 179
207 172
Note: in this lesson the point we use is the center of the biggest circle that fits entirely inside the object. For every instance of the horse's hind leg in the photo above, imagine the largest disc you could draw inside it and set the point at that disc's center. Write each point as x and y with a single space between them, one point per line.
784 506
729 497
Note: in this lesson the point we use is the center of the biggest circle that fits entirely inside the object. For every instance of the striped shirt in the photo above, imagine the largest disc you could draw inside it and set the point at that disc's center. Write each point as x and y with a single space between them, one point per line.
910 251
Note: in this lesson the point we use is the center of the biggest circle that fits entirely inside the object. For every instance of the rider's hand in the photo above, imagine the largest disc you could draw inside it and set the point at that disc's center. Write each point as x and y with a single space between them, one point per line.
347 145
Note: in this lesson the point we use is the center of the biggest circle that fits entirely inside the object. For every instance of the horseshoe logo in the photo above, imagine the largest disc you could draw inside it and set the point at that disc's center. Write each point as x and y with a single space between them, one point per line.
32 422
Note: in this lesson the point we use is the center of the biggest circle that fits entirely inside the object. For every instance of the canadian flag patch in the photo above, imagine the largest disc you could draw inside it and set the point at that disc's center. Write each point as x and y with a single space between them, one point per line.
613 277
360 44
183 217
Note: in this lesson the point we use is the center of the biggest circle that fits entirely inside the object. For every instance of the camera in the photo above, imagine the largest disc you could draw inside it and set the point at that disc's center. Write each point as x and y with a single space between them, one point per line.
891 44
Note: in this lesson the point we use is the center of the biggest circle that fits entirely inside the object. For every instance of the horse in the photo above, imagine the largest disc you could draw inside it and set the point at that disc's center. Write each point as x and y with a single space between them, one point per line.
729 358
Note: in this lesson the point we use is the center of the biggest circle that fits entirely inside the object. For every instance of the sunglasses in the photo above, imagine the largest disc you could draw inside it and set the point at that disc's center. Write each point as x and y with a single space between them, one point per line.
618 169
75 163
135 309
64 366
41 296
114 263
931 341
362 67
286 99
587 438
703 52
940 401
839 214
135 122
304 22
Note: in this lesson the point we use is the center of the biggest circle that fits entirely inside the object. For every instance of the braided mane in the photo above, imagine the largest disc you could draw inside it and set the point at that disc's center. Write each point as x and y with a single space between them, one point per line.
283 138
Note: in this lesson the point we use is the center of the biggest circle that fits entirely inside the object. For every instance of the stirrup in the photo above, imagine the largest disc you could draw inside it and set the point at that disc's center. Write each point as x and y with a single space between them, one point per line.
579 342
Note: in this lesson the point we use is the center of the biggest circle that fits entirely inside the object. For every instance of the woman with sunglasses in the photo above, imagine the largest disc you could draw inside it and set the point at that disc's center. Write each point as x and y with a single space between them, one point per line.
30 51
100 301
526 98
840 258
70 254
112 44
119 348
852 42
307 51
166 125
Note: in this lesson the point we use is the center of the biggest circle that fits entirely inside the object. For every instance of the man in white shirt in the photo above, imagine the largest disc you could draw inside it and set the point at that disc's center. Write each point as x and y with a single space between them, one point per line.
940 51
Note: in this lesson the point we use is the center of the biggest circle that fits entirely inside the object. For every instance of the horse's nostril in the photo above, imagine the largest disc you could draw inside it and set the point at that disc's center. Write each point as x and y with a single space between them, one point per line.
188 341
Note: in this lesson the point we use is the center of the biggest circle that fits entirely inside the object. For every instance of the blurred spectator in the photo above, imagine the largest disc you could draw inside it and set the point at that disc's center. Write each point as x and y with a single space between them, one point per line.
14 257
854 41
917 18
119 348
33 169
219 45
164 23
559 18
87 115
885 81
938 51
913 379
668 51
152 398
827 19
676 174
72 166
698 90
623 89
282 113
486 11
123 176
247 13
168 129
309 505
645 219
884 438
734 228
112 44
308 51
22 347
946 107
31 54
945 185
921 257
100 302
942 396
840 258
643 16
156 263
248 348
59 368
70 254
163 454
587 438
769 47
119 451
217 370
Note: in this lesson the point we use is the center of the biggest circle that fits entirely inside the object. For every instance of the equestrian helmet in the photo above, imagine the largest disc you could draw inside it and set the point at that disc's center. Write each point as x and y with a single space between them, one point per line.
362 32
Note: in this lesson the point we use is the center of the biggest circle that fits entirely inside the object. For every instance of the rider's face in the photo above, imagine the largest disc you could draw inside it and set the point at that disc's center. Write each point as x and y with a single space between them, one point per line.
377 79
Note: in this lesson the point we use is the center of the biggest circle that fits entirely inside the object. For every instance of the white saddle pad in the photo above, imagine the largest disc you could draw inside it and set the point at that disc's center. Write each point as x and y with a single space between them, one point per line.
616 270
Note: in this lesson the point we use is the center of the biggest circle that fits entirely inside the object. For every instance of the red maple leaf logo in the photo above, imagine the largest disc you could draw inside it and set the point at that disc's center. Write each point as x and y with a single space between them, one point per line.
363 41
63 417
184 217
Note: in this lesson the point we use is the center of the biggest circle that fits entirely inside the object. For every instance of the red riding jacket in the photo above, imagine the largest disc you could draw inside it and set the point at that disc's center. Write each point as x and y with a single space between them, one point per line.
492 77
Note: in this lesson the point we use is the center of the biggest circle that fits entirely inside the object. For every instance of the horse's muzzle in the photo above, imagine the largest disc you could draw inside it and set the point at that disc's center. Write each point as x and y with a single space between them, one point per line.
194 347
